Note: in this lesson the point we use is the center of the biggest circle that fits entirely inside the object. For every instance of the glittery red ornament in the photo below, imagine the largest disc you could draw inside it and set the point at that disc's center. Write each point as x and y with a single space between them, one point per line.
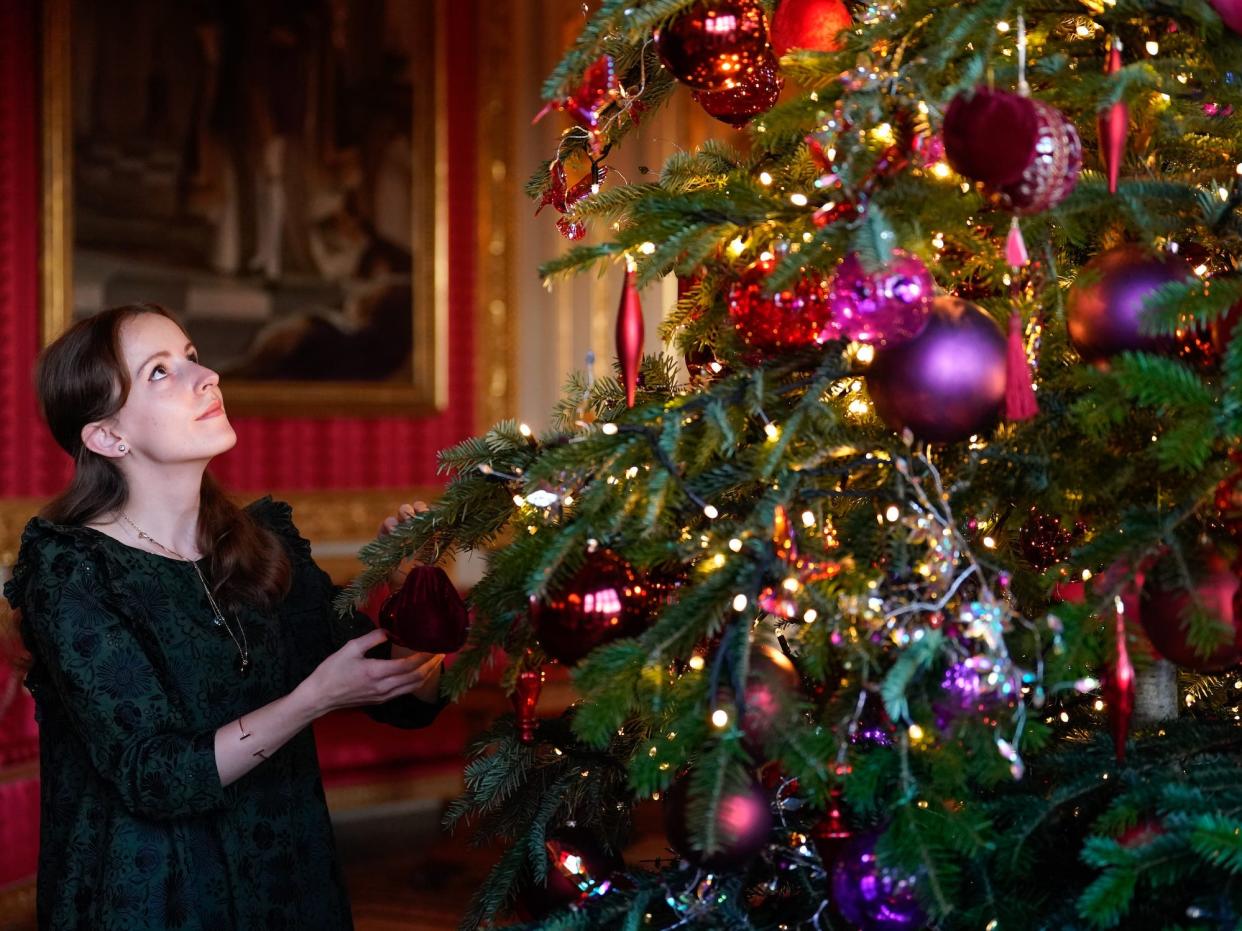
525 702
629 336
1166 607
604 600
809 24
795 317
714 44
742 829
563 198
599 89
1114 125
754 95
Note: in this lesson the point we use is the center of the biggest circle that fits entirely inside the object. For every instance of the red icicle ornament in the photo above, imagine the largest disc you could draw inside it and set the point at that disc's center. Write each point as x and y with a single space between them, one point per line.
1020 403
1119 686
629 335
1114 124
525 700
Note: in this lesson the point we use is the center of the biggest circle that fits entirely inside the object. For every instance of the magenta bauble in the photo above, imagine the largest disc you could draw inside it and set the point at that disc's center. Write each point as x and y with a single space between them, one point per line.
888 305
947 383
1230 12
1164 611
1105 307
809 24
753 96
743 825
603 600
715 44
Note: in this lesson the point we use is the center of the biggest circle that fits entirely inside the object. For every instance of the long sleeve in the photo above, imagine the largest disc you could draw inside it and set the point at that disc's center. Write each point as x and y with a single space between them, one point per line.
111 697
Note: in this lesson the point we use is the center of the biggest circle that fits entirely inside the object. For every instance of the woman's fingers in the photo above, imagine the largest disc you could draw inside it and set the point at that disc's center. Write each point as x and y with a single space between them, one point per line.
368 640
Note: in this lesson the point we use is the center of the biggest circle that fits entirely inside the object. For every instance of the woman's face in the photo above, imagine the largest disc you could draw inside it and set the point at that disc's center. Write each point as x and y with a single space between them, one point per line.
175 411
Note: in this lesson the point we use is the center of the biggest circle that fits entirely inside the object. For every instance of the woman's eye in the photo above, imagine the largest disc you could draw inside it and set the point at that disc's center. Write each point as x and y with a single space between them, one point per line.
158 373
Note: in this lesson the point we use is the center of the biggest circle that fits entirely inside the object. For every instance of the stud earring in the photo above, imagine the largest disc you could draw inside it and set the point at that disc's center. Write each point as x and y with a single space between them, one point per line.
122 448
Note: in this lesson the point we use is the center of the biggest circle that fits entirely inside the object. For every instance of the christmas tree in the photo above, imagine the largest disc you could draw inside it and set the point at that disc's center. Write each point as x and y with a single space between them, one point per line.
915 603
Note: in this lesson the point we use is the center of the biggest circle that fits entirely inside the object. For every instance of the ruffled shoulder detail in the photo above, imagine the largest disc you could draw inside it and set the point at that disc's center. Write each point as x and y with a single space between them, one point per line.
43 545
277 516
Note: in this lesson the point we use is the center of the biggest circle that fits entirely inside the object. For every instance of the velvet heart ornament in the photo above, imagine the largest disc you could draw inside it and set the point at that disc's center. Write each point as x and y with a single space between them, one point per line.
426 614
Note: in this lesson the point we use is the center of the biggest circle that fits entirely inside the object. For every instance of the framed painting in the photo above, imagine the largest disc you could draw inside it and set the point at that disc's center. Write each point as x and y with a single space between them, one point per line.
274 171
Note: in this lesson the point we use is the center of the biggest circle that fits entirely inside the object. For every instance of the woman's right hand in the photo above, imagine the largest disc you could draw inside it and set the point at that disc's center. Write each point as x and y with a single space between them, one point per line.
348 678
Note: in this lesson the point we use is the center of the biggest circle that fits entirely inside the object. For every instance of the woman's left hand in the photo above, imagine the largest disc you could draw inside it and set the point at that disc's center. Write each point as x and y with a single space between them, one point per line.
406 512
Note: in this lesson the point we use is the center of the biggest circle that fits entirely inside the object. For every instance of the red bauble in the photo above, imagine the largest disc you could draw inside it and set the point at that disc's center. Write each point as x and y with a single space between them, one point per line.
426 614
578 867
795 317
751 97
947 383
1023 150
604 600
743 826
1165 612
771 684
809 24
1105 314
715 44
1230 12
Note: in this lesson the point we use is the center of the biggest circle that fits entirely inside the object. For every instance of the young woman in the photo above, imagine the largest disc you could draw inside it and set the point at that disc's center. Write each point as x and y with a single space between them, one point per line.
181 648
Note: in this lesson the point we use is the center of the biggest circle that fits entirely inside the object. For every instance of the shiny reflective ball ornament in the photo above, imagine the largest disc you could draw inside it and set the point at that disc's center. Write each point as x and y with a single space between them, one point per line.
715 44
604 600
795 317
1230 12
743 826
947 383
753 96
1105 307
772 685
886 306
872 898
1165 607
809 24
578 869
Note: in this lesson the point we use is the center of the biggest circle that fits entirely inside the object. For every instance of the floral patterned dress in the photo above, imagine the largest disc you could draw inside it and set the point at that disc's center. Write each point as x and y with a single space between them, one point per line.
131 681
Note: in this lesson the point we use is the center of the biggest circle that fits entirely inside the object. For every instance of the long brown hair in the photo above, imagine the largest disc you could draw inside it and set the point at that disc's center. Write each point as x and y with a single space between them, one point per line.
81 378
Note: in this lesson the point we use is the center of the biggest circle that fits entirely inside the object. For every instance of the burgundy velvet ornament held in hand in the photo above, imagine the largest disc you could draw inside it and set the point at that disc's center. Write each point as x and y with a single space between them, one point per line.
426 614
947 383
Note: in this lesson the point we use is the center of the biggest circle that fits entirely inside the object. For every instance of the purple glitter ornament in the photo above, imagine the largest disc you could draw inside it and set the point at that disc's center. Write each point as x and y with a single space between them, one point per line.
947 383
872 898
1105 308
974 687
889 306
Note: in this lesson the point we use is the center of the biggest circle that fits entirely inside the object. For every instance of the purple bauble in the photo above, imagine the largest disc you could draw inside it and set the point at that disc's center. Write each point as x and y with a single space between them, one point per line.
947 383
1230 12
743 825
889 306
974 687
872 898
1106 306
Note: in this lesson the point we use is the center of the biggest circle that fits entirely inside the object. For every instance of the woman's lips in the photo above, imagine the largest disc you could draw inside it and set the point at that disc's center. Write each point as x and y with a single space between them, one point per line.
214 411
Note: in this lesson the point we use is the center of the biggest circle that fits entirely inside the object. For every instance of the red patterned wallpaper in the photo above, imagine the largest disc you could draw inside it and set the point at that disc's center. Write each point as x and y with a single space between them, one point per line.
285 454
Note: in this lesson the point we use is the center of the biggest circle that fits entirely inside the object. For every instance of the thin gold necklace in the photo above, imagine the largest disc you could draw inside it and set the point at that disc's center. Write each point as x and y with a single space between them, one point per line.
217 619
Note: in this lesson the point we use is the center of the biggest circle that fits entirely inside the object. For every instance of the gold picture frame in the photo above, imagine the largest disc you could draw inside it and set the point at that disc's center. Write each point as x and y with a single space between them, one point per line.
420 388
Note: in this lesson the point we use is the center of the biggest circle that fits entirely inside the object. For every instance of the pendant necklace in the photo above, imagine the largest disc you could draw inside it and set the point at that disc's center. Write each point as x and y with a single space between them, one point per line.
218 619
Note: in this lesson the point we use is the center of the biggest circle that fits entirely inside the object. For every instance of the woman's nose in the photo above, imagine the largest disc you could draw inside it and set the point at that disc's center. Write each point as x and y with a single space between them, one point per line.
207 378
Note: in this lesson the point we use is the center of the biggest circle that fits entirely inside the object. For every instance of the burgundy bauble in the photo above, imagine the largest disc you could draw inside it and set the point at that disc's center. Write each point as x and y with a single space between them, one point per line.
1044 540
1230 12
604 600
752 96
771 686
1023 150
715 44
426 614
1105 308
795 317
889 305
578 868
1164 612
809 24
743 825
872 898
947 383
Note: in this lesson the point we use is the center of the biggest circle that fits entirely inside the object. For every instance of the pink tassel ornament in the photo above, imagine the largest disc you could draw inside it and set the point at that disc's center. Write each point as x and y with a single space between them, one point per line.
1015 247
1020 403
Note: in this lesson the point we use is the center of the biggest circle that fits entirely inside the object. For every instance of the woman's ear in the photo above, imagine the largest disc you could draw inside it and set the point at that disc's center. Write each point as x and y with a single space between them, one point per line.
100 439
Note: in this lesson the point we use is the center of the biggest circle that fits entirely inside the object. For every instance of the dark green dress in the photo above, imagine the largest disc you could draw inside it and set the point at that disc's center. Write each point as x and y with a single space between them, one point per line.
131 681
